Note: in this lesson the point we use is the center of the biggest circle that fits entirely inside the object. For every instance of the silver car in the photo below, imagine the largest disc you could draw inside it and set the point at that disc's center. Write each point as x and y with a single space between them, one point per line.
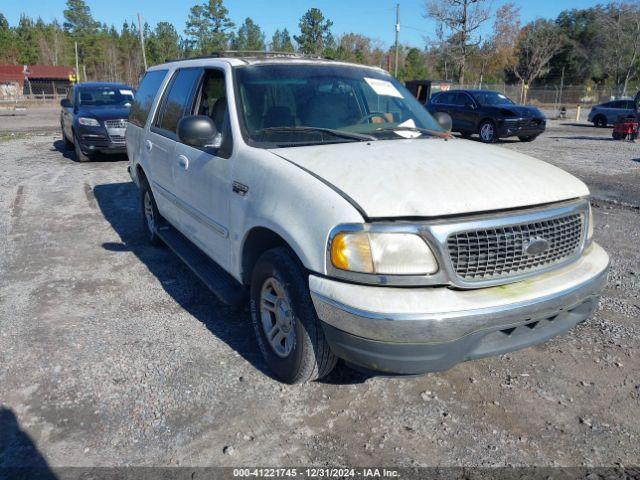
608 113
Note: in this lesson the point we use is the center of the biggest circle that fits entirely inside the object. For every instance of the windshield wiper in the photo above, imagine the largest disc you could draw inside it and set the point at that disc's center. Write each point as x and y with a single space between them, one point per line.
406 128
337 133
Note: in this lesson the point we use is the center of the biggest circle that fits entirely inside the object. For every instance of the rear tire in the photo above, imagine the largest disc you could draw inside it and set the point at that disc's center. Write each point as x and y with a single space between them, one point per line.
68 144
151 218
600 121
529 138
80 155
285 322
487 132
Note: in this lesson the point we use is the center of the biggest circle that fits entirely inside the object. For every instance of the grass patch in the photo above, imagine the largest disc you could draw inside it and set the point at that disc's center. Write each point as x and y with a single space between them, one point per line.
6 137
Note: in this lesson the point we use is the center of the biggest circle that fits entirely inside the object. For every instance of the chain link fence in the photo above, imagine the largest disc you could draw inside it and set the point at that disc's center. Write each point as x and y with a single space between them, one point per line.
555 96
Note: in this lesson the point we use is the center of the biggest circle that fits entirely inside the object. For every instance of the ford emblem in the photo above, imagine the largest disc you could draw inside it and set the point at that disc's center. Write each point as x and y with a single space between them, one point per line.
535 246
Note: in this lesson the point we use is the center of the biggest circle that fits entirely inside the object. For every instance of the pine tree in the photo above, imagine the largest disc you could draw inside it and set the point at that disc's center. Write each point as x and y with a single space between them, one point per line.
281 42
315 33
249 37
208 27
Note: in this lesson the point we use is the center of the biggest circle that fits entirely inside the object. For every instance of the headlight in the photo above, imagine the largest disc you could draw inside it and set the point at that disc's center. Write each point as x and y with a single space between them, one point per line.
89 122
382 253
590 224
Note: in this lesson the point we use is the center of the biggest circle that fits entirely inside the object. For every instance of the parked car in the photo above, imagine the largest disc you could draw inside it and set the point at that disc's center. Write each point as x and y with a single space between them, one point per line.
357 227
94 118
490 114
608 113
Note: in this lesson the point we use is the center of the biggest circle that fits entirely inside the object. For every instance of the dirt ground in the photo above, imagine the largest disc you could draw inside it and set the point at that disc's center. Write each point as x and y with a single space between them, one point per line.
113 353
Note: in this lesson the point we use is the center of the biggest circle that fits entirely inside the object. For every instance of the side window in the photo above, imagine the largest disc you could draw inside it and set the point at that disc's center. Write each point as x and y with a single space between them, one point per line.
177 100
212 101
464 99
448 98
436 99
630 105
144 97
459 99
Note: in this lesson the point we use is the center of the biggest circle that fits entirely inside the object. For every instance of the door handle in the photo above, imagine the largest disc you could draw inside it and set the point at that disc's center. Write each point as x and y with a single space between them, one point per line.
148 145
183 162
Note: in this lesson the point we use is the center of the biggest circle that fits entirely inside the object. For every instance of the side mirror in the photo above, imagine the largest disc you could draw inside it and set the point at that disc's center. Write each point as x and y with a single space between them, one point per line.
197 131
444 120
470 105
65 103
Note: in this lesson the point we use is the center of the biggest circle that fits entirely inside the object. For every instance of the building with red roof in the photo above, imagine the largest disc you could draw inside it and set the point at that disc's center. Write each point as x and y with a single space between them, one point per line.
36 79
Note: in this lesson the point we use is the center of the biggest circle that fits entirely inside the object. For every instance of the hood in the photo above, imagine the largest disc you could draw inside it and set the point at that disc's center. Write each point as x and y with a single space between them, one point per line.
521 111
434 177
104 113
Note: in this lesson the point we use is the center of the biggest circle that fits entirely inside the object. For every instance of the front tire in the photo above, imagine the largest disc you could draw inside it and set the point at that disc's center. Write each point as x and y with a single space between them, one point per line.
80 155
285 322
68 144
487 132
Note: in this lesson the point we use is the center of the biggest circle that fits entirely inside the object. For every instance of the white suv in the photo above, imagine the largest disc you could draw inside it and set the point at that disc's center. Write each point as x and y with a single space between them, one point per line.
357 225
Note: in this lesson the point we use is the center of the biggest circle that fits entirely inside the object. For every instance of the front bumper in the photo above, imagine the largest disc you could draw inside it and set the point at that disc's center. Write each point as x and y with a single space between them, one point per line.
96 139
418 330
524 128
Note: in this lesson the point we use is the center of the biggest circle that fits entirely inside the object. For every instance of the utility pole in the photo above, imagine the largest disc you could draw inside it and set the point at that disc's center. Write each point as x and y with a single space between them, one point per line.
77 66
144 54
395 68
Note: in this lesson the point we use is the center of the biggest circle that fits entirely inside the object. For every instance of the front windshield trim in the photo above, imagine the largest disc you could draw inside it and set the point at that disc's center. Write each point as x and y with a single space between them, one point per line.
375 73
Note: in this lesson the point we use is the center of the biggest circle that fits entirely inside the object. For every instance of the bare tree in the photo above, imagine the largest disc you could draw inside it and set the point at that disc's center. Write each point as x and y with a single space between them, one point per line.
619 24
539 42
461 19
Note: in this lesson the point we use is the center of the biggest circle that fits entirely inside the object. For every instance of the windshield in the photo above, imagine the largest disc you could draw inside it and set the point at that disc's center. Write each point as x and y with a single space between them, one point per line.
492 98
106 96
303 104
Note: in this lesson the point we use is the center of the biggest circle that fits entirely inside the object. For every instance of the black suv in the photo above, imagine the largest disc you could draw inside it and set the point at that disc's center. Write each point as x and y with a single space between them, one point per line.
94 118
490 114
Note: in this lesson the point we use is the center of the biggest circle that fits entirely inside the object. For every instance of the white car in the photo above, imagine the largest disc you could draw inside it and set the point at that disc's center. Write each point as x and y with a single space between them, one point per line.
358 227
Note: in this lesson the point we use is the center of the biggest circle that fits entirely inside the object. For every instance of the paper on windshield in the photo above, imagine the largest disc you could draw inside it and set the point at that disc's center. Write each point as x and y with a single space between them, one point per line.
383 87
126 92
407 133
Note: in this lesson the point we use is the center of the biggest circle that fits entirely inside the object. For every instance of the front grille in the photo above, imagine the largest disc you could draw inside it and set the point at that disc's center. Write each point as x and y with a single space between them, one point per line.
117 138
118 123
496 253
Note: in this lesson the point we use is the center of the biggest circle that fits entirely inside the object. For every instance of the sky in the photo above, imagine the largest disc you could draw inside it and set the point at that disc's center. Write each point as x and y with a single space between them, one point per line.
374 18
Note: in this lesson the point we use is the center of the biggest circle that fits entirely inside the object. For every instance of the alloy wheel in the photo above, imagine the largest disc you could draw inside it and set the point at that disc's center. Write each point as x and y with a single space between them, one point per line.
486 132
277 317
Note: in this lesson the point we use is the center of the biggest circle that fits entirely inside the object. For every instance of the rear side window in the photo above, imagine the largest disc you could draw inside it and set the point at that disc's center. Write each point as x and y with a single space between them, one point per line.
178 99
145 96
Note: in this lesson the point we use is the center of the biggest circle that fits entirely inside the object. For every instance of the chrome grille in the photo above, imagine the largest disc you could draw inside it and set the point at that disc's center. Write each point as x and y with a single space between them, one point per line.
496 253
118 123
117 138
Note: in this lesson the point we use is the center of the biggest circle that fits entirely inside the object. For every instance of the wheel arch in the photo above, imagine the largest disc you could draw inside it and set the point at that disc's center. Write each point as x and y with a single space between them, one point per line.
258 240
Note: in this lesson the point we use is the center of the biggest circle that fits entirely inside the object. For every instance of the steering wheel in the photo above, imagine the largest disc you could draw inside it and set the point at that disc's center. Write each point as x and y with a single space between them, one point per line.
370 116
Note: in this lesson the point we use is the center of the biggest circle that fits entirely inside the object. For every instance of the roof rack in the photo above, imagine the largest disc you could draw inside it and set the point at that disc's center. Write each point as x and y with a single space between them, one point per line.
252 54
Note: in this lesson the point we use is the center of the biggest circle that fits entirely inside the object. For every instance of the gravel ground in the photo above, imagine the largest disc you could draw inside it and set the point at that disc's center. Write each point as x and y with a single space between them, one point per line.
113 353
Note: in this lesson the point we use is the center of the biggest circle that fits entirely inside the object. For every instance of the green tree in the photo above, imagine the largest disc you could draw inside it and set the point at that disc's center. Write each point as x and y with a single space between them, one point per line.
315 33
208 27
27 42
249 37
415 66
7 41
78 18
163 43
354 47
281 41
